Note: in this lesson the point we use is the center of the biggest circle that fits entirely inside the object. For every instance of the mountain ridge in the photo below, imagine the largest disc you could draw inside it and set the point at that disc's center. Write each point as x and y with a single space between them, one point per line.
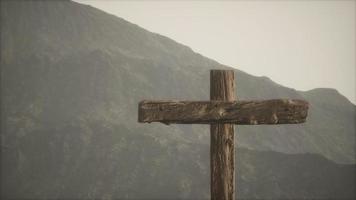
221 64
193 67
71 80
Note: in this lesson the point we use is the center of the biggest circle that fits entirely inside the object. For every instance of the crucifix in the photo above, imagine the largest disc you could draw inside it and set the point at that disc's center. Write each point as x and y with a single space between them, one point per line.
222 112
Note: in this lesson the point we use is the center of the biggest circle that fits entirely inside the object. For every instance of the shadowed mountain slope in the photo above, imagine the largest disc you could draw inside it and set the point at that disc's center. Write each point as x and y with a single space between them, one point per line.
71 79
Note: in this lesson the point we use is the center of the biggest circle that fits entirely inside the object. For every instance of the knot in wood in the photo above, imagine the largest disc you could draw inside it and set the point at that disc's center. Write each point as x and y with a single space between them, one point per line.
221 112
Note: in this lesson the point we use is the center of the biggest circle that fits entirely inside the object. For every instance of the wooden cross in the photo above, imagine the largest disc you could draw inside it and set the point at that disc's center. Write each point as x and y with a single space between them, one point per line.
221 112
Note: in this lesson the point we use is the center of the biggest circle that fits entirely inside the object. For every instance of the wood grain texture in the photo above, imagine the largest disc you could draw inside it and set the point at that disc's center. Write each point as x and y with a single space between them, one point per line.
222 150
222 112
275 111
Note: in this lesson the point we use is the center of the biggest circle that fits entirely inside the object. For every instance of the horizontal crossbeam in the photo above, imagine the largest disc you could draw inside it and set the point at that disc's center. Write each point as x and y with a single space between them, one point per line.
275 111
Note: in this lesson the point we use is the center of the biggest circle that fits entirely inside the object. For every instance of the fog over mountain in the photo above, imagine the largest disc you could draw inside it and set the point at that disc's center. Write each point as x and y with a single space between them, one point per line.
71 79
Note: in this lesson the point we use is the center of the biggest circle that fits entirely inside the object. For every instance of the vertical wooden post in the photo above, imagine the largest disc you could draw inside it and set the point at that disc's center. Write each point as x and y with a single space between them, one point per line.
222 175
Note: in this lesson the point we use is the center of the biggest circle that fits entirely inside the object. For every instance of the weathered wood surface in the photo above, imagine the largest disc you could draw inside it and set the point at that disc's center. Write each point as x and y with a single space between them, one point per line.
222 112
222 150
275 111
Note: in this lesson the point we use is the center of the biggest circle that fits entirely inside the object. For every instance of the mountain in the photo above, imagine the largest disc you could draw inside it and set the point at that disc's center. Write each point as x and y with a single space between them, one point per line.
71 78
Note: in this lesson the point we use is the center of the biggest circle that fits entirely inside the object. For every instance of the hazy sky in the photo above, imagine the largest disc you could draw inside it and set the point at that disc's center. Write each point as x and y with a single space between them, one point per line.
299 44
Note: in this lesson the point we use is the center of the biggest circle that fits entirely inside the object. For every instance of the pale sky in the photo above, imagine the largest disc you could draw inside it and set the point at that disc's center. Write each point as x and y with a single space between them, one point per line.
299 44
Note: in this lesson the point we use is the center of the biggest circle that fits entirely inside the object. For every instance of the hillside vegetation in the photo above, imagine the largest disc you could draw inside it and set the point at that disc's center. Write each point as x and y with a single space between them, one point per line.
71 79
